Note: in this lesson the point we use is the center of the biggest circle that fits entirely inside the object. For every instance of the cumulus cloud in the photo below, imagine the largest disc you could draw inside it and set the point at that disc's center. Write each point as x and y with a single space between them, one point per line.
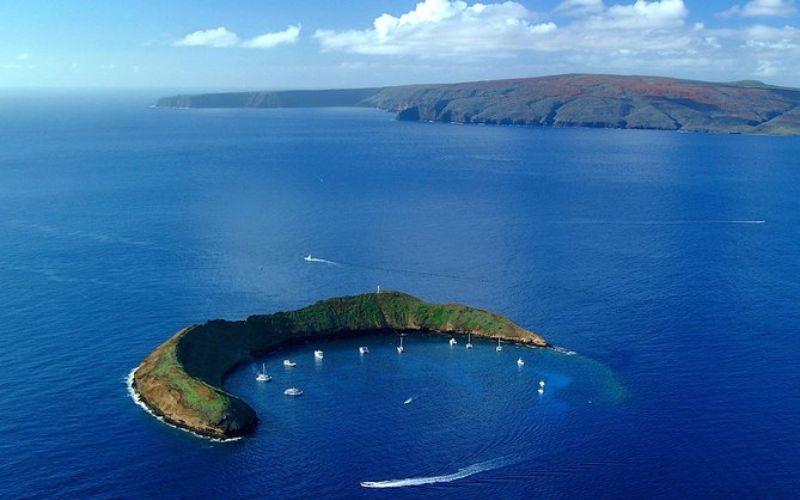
642 36
268 40
764 8
440 27
216 37
437 28
222 37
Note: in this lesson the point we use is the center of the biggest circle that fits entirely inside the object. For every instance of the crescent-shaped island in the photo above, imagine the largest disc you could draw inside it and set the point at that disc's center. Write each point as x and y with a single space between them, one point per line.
181 381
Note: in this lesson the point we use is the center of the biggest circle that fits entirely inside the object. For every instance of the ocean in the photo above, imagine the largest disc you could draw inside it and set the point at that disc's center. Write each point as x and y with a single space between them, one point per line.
668 263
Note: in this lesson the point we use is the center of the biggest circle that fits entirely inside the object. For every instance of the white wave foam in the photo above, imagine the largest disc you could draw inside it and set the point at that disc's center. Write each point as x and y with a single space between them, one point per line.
446 478
138 400
564 350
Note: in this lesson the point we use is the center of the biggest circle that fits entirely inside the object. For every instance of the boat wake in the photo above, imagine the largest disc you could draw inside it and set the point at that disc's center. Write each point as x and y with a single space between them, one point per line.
446 478
317 259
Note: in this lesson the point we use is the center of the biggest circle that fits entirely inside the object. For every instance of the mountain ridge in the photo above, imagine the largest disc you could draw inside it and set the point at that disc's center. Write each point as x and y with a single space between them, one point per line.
570 100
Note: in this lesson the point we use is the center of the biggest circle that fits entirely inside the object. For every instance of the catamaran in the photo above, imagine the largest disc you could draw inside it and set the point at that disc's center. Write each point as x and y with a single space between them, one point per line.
262 375
499 347
469 340
400 348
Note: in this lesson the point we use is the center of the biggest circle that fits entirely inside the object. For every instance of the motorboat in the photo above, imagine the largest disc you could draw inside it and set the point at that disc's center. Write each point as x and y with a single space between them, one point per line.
262 375
293 391
308 258
363 350
453 341
288 363
520 362
318 354
541 387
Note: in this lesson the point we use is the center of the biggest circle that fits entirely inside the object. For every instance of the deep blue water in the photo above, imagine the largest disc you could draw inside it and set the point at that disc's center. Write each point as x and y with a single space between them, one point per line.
120 224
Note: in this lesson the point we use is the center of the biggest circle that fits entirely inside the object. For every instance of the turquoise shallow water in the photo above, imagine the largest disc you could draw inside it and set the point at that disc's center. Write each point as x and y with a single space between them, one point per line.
121 224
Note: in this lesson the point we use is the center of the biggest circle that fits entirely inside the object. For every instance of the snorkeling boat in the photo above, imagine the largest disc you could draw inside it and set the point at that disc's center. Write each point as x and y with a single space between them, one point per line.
262 375
288 363
318 354
293 391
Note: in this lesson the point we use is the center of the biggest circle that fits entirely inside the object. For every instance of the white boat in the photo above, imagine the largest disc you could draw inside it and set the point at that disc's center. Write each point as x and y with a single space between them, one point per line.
262 375
541 387
308 258
520 362
288 363
409 401
318 354
363 350
453 341
469 341
293 391
400 348
499 347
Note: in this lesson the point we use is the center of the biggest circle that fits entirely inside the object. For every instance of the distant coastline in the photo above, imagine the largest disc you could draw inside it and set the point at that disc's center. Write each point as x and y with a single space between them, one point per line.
575 100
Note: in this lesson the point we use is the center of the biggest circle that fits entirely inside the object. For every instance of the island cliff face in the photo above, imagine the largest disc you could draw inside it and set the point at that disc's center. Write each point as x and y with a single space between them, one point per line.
576 100
181 381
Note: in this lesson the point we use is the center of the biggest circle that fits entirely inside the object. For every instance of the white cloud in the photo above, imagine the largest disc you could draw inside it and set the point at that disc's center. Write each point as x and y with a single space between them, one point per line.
439 28
268 40
442 27
766 68
216 37
222 37
23 56
628 36
752 8
580 7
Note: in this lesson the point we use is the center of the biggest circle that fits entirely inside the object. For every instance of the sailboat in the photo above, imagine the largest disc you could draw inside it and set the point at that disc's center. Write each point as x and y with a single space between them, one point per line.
499 347
262 375
469 341
400 348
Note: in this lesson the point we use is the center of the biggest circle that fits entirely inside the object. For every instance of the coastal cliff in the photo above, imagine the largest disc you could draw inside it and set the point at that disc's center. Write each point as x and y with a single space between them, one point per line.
181 381
575 100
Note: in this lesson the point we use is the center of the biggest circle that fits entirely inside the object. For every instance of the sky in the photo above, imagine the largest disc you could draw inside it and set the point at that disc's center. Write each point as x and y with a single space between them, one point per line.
281 44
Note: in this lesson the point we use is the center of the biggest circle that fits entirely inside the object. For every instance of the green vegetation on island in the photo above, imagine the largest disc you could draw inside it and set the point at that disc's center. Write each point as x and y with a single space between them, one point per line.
181 381
576 100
